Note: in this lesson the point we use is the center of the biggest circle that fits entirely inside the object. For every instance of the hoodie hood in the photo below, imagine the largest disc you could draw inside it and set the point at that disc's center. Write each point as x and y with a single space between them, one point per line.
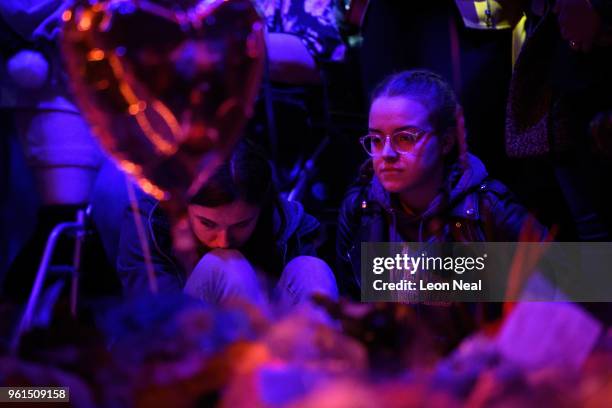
291 219
470 179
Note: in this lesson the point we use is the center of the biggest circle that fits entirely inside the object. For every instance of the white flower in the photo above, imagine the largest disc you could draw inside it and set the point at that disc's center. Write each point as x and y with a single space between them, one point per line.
316 7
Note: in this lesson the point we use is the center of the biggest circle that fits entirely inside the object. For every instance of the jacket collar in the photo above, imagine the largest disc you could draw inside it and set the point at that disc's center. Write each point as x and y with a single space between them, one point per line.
461 203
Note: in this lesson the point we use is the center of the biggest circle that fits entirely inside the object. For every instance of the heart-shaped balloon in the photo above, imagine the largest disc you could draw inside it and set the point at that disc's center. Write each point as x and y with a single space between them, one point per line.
167 85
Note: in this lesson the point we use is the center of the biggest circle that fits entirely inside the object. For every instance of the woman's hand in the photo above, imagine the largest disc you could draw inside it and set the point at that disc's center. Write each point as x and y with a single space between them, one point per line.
579 23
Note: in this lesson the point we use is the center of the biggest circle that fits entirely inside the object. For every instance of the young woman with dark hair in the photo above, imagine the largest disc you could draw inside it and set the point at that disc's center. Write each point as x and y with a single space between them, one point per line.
421 184
253 245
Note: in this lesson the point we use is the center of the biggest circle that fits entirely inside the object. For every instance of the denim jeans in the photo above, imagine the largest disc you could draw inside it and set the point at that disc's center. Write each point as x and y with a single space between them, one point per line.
225 274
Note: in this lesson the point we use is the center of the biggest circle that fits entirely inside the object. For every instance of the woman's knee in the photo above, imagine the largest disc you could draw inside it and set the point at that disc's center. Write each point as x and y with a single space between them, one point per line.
225 261
221 272
311 274
223 255
311 263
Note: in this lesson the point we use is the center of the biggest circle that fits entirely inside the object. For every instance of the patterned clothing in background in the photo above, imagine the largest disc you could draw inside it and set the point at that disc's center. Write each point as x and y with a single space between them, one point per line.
311 20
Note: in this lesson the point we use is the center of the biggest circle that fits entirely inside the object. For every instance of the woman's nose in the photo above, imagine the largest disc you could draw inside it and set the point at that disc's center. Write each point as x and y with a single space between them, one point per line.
388 153
222 240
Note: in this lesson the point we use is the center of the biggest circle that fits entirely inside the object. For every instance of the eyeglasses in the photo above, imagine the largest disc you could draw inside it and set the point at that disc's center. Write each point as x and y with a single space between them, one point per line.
402 141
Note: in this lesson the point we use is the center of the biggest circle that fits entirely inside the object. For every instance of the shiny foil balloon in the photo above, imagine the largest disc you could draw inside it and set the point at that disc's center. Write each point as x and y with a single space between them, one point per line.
167 85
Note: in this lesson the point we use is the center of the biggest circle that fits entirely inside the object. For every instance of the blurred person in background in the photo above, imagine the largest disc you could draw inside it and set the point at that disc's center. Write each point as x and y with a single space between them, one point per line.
561 83
301 33
302 39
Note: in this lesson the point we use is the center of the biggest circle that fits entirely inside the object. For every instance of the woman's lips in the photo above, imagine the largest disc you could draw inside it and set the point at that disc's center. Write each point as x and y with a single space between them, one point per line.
390 170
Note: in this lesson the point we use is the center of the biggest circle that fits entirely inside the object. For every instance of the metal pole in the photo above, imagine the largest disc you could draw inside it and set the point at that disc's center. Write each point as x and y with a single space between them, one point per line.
76 262
26 320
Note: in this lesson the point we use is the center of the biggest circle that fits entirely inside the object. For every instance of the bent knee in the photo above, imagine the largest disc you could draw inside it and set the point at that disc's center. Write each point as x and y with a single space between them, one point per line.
312 264
313 273
221 259
222 255
221 274
224 265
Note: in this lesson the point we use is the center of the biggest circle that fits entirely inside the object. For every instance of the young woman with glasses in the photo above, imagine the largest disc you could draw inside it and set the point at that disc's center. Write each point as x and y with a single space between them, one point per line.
421 184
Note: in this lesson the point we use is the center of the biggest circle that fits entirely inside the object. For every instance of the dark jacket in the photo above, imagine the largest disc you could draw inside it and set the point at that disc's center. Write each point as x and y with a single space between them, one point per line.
472 208
295 233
